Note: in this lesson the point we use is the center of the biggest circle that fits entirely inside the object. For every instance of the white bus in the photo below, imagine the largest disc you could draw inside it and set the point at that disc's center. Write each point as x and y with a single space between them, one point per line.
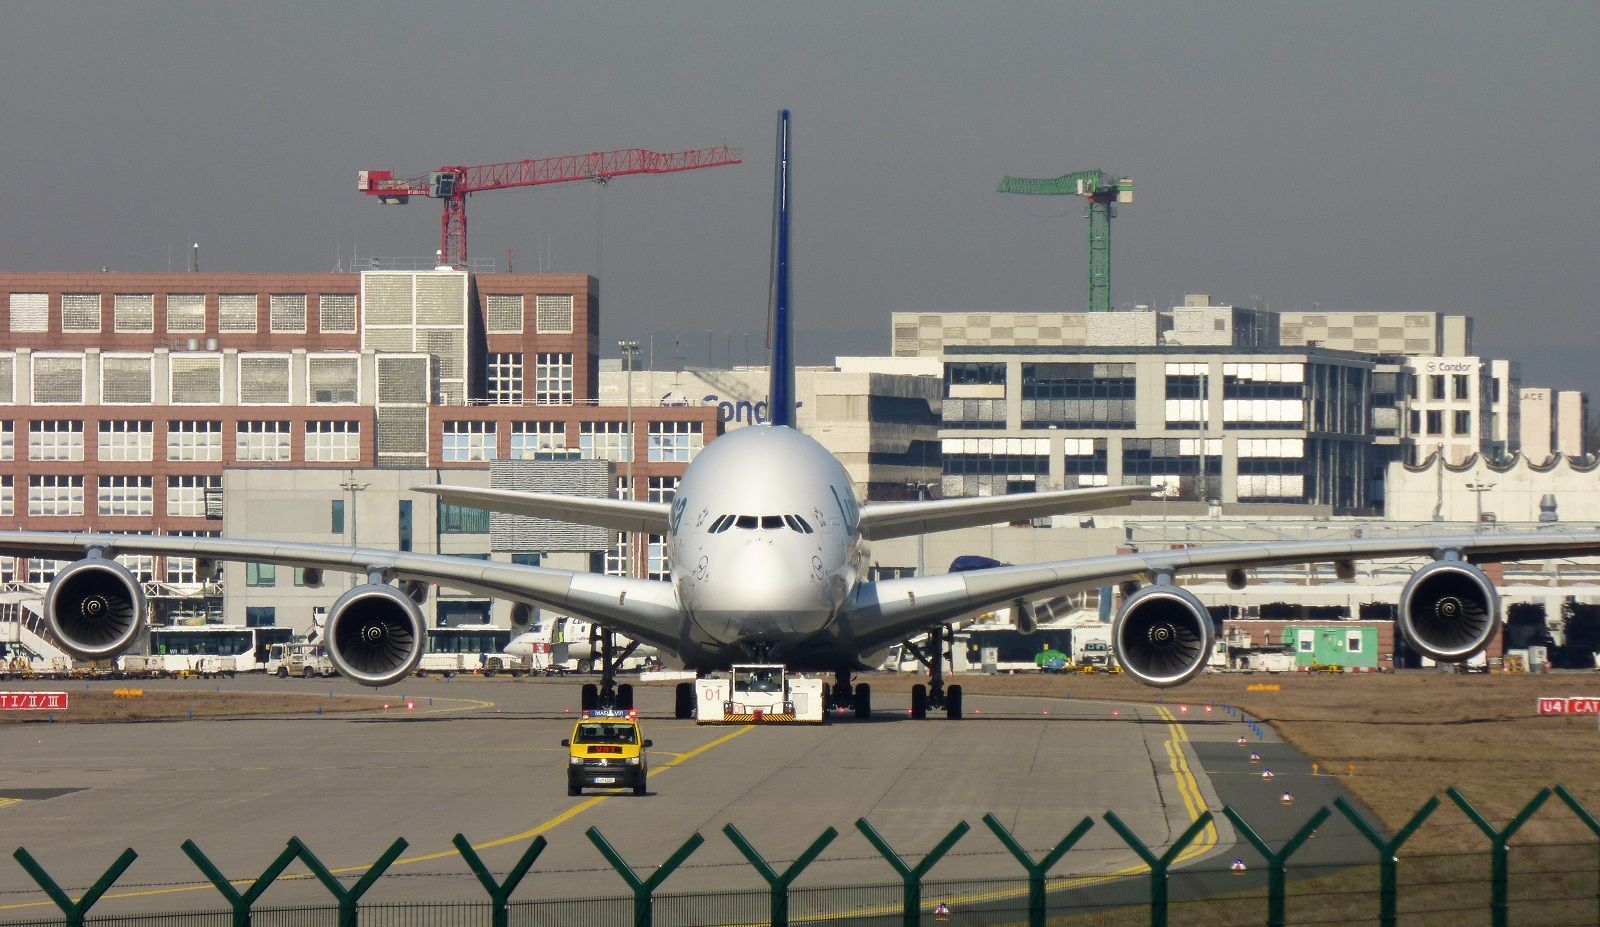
208 648
466 648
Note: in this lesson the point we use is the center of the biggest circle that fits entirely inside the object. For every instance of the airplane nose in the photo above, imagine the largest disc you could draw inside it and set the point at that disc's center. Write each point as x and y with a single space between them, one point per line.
758 589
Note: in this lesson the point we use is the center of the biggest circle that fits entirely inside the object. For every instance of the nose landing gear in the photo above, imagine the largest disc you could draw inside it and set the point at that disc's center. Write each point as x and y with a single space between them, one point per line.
608 694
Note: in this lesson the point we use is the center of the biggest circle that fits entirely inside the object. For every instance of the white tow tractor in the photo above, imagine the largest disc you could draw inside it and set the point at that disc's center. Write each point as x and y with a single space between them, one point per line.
758 694
298 658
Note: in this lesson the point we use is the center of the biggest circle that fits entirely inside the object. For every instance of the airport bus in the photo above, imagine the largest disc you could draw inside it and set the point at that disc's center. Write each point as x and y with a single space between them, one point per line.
464 649
206 647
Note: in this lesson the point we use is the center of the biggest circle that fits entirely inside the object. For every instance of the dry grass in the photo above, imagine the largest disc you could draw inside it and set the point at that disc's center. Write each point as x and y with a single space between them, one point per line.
1410 736
100 705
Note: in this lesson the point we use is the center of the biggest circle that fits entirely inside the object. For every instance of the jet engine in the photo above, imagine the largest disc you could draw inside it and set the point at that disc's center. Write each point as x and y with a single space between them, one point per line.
375 634
1163 636
95 608
1449 611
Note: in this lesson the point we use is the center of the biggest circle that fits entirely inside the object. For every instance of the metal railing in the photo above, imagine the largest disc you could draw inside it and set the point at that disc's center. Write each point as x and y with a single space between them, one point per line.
1549 885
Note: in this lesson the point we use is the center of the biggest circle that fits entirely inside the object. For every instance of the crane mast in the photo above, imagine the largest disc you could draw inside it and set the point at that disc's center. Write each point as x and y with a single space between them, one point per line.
1101 195
452 184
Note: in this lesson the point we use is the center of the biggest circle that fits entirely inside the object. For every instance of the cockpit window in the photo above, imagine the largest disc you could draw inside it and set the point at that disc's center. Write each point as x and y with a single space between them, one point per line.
805 526
772 521
760 522
748 522
723 523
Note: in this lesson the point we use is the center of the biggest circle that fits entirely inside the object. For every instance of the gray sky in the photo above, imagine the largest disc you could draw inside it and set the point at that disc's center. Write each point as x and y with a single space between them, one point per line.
1352 155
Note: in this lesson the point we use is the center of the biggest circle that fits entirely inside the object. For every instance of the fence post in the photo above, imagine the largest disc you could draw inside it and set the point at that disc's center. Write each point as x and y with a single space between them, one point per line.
1584 816
1277 863
499 894
643 889
911 877
1037 871
1388 854
1500 849
75 911
1158 864
240 903
349 898
779 884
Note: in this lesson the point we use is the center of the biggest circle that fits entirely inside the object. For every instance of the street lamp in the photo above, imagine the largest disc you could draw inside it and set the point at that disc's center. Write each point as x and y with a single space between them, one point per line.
921 489
630 349
1478 488
352 487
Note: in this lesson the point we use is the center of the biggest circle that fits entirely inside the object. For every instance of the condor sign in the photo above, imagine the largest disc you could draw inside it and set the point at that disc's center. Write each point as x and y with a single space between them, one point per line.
1578 705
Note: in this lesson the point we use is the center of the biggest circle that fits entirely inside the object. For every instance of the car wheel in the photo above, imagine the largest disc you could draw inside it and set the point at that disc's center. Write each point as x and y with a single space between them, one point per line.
638 789
283 672
574 790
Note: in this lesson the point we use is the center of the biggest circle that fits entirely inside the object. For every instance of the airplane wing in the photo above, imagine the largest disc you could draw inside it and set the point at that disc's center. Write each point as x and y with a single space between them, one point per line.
620 514
643 609
889 610
883 520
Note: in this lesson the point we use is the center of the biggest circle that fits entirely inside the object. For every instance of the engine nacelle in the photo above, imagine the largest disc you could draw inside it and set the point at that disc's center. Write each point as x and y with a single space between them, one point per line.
1449 611
1163 636
95 608
375 634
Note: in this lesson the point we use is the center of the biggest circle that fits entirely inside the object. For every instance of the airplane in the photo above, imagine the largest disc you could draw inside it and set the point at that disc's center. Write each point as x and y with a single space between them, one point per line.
767 543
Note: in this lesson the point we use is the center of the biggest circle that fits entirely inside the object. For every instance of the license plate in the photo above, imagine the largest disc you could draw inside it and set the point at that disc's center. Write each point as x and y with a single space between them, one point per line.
605 780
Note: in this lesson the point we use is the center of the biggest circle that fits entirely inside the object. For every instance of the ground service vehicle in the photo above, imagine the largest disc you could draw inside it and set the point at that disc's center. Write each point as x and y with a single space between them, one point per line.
607 750
759 693
298 659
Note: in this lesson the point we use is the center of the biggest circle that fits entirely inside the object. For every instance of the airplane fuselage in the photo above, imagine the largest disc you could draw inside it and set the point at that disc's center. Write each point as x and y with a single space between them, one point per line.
765 548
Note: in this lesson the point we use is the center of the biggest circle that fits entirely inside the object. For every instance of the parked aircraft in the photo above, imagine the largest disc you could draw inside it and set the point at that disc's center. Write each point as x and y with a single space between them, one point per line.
766 538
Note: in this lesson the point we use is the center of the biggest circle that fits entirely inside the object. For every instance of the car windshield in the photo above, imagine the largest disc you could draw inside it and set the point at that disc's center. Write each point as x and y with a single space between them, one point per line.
759 681
605 734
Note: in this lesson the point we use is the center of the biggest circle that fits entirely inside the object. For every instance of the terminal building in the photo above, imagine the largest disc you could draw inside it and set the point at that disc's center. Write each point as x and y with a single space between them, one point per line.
129 401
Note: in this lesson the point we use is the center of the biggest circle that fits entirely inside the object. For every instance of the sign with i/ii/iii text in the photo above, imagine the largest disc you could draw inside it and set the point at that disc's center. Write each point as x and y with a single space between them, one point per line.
33 701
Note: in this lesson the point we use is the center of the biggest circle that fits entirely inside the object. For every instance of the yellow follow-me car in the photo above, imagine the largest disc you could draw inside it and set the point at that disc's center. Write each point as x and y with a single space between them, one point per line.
607 750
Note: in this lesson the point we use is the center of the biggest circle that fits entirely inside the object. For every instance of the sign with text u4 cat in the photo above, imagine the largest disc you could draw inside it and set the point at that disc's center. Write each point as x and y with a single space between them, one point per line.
33 701
1572 705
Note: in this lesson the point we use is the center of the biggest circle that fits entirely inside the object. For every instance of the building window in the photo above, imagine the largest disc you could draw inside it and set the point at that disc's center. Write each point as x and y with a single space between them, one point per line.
125 379
263 440
337 312
184 569
260 616
58 379
674 442
30 312
468 441
8 441
1459 386
526 559
41 570
186 495
186 313
286 312
1173 465
554 314
333 442
58 439
1436 386
505 377
1263 396
538 440
1085 462
260 574
1463 422
1271 469
236 312
1352 644
8 497
1090 396
605 441
127 440
190 440
336 517
462 519
552 384
663 488
55 495
503 312
1435 422
196 379
80 312
1307 641
133 312
263 380
126 496
332 379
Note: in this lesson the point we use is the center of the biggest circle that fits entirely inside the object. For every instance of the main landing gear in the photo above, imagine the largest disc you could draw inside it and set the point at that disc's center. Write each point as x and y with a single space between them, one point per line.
849 697
935 695
608 694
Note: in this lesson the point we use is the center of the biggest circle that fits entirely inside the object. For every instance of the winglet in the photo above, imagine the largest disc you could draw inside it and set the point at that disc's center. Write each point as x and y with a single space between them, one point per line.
780 329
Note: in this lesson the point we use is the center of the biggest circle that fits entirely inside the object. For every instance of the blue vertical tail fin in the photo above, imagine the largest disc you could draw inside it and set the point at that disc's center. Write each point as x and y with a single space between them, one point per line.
780 328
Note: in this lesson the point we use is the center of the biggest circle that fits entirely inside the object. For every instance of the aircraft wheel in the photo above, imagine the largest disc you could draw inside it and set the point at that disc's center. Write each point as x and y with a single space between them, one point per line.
625 696
952 703
683 702
863 701
919 702
590 699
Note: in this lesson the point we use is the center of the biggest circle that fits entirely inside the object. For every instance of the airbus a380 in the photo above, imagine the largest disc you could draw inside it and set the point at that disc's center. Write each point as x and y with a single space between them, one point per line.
766 539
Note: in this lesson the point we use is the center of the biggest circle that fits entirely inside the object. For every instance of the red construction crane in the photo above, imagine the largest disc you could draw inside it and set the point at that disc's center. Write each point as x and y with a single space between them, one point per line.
452 184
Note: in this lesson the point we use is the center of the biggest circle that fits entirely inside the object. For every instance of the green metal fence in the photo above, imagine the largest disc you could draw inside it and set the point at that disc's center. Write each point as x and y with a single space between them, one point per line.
1544 885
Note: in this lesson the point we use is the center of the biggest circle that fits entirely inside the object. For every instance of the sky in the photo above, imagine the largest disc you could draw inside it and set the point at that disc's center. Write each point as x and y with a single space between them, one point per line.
1360 155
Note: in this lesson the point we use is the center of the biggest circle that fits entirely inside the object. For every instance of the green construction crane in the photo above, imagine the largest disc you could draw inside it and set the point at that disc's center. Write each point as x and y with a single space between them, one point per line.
1102 193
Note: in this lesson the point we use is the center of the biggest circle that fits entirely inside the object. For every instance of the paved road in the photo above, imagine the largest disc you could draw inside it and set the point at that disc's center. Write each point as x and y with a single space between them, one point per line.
483 757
